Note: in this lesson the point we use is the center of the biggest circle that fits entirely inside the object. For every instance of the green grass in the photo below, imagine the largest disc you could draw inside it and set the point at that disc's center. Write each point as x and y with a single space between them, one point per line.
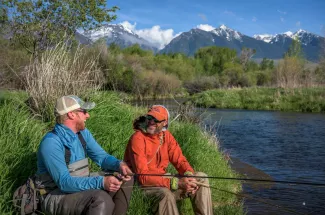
298 100
111 125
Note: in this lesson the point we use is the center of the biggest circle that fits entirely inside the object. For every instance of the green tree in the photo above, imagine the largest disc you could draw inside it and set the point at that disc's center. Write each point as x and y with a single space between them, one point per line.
214 58
36 25
245 56
266 64
295 49
271 64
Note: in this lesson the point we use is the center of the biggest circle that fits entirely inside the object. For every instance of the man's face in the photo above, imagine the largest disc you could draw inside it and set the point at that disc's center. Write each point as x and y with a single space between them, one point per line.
82 116
154 126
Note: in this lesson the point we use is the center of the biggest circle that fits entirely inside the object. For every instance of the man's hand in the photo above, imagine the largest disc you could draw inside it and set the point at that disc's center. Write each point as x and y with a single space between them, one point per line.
188 185
111 183
126 172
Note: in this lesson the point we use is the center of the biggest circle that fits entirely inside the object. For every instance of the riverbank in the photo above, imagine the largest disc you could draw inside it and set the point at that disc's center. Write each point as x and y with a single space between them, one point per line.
111 125
298 100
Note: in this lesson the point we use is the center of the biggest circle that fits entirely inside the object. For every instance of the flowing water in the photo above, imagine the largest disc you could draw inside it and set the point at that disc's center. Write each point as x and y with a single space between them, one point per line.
286 146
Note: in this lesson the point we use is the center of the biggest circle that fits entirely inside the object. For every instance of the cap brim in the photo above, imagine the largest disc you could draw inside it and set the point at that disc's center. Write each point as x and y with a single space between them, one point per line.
88 105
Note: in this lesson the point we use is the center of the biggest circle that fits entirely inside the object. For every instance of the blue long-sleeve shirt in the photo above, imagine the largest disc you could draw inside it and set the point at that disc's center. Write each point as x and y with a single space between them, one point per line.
51 159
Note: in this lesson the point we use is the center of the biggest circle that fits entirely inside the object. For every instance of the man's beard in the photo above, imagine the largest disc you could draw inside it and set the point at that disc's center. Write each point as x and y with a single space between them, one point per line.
157 130
80 125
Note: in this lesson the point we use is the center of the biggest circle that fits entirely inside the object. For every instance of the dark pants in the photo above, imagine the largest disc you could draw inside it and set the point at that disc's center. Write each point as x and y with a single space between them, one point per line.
92 202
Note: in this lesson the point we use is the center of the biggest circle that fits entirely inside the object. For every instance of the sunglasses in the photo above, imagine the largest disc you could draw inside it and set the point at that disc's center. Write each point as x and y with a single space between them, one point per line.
84 111
149 118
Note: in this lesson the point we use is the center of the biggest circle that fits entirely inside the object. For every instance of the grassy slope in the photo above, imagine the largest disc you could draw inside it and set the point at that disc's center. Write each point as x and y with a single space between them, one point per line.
111 124
300 100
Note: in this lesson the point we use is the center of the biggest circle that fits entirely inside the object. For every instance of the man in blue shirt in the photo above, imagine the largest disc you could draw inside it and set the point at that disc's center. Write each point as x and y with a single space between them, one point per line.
62 167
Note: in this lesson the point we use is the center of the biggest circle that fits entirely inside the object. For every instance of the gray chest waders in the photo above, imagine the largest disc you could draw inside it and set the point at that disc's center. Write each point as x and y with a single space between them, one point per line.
76 169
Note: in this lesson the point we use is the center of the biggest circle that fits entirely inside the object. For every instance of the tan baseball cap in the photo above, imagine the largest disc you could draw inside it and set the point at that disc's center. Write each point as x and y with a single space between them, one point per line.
66 104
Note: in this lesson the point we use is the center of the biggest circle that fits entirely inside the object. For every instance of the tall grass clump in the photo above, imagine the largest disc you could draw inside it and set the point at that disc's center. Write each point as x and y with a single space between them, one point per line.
20 135
58 72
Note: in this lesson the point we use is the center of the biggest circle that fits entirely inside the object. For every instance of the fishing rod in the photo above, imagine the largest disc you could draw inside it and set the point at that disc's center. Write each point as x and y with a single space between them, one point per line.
236 179
241 196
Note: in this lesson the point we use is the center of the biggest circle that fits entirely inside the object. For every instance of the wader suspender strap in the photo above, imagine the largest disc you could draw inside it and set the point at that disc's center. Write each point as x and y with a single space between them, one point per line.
67 154
161 138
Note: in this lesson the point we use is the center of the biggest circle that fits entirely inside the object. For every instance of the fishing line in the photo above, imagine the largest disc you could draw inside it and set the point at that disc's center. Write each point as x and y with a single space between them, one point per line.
236 179
242 196
259 200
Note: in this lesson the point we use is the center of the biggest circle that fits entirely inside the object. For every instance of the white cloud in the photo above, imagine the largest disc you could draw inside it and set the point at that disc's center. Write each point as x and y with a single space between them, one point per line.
282 19
282 12
254 19
298 24
128 25
155 34
203 17
205 27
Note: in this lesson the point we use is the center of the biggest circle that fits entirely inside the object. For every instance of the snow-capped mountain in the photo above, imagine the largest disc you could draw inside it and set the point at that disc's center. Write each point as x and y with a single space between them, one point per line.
303 36
266 45
228 33
189 42
311 43
120 35
264 37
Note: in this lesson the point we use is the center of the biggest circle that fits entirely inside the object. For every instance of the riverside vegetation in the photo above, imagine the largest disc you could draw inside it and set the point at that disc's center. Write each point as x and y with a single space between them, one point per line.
142 74
135 71
297 99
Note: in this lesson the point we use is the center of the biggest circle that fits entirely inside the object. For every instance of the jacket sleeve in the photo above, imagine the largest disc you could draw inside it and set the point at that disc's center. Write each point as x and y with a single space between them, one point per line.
51 152
98 154
138 159
176 156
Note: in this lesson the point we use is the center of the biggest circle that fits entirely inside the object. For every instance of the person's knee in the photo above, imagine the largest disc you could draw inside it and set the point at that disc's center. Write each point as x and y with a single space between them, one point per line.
167 195
102 197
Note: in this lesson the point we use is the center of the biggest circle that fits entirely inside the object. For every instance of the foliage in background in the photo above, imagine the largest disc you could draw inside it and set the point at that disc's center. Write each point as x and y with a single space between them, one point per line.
37 25
145 74
59 72
298 99
111 125
291 72
12 62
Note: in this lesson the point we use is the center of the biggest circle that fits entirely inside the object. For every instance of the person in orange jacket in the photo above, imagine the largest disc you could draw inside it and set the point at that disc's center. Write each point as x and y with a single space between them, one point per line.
149 151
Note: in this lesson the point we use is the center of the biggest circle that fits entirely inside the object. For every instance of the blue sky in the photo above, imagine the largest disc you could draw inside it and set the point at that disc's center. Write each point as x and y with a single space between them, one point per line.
248 17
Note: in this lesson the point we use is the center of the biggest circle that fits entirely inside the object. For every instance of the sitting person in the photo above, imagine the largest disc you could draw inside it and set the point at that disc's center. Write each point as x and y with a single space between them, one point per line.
62 167
149 151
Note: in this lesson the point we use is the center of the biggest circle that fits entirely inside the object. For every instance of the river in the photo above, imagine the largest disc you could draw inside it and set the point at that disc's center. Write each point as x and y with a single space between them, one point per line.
284 145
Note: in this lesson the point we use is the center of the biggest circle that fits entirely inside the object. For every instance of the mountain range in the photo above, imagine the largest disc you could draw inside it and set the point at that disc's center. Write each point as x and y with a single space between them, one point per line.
119 35
268 46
